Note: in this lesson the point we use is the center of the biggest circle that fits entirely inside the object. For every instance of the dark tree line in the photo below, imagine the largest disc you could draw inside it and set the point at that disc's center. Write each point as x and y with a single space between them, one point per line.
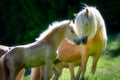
21 21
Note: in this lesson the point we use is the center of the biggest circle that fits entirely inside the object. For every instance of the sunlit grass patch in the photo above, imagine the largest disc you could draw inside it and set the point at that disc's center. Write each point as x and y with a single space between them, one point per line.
107 69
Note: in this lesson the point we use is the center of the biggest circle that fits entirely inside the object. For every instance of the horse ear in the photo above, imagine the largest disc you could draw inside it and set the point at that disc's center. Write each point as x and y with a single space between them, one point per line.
75 14
71 26
69 22
86 12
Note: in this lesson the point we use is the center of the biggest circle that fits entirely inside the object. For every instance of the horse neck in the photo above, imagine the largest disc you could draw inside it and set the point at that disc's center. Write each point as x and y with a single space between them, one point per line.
55 37
99 36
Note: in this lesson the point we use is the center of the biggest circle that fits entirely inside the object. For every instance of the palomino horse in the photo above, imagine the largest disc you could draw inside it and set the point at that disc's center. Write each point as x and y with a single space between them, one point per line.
3 50
89 23
41 52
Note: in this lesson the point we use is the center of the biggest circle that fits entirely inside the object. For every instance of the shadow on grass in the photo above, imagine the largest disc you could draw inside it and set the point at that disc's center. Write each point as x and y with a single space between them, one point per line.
113 47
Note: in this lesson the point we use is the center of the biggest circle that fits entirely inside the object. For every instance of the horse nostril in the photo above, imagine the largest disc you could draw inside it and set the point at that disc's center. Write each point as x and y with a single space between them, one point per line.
82 40
77 41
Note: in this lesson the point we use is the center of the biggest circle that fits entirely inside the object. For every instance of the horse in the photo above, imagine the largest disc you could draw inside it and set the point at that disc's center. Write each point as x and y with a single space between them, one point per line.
3 50
41 52
89 23
37 73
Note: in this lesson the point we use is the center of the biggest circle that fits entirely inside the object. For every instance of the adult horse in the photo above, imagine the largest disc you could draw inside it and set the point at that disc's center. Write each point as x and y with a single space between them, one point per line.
38 73
41 52
3 50
89 25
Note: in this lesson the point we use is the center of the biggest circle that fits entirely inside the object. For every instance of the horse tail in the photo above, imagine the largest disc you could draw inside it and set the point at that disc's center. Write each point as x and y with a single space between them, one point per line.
1 72
57 61
3 67
20 74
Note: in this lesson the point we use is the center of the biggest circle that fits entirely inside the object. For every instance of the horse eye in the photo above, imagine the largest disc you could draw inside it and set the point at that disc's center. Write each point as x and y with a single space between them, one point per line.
71 31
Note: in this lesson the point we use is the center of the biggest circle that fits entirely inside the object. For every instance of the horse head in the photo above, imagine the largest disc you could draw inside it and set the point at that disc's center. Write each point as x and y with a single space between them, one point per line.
86 24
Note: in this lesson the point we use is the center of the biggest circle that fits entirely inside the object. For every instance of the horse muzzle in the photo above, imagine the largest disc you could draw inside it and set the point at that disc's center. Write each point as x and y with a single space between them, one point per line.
82 40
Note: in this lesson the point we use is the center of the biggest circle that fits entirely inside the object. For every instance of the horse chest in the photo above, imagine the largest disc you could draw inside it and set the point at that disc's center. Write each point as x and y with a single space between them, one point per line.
94 48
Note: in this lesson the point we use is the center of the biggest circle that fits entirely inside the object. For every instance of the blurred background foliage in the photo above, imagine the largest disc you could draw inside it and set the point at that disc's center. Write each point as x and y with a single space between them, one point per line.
21 21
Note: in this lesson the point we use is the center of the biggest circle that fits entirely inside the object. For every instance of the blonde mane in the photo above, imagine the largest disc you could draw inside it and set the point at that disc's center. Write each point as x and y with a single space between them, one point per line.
91 18
51 28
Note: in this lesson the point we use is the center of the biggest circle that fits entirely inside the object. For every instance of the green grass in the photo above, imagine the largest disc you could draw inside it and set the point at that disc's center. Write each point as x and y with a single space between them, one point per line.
108 67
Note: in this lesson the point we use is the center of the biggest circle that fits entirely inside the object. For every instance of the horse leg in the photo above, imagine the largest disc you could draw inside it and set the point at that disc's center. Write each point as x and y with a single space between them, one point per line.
58 70
42 73
20 74
4 69
4 74
14 72
94 63
83 68
71 68
12 76
48 69
35 73
78 73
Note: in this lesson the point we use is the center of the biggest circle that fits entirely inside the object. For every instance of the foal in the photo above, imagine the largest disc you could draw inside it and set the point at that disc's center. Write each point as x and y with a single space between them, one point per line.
38 53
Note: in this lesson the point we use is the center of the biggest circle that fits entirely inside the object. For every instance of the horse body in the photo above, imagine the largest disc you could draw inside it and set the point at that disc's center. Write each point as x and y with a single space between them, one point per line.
36 54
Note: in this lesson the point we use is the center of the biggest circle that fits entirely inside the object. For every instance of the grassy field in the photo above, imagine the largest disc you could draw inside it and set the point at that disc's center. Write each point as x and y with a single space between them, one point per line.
108 67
